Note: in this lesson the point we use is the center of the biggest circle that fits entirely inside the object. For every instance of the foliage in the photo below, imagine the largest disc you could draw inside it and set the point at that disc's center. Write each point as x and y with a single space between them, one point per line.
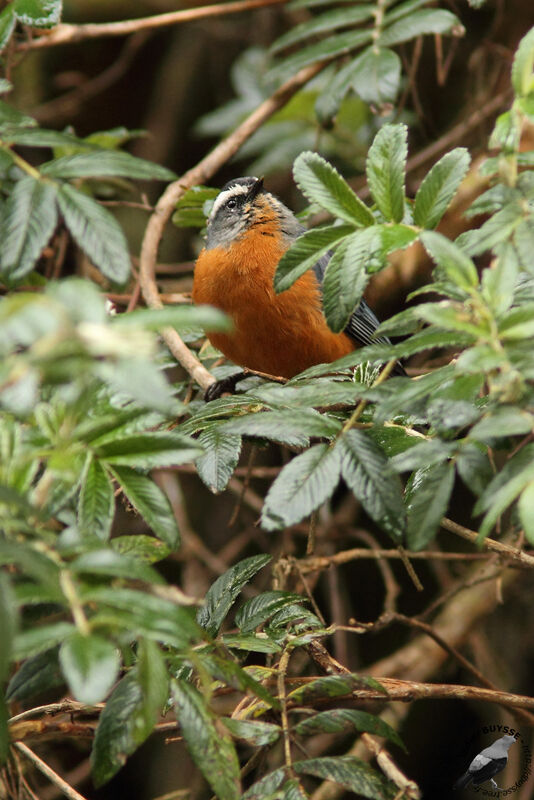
90 413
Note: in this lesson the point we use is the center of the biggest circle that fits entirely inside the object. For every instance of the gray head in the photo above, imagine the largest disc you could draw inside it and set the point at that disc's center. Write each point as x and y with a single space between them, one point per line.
242 204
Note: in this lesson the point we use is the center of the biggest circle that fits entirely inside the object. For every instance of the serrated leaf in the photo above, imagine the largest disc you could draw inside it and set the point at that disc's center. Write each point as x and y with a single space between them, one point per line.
223 592
514 477
321 183
210 746
140 380
498 228
7 25
452 316
427 497
526 511
90 665
266 786
258 610
286 426
96 232
523 66
29 219
368 474
141 547
518 323
259 643
107 561
220 458
375 75
502 421
305 252
349 772
148 450
302 486
37 674
345 278
122 727
293 790
454 263
332 686
385 168
428 20
153 679
232 674
153 505
253 731
324 23
474 467
322 392
105 163
96 505
335 45
38 13
423 454
181 317
439 187
339 720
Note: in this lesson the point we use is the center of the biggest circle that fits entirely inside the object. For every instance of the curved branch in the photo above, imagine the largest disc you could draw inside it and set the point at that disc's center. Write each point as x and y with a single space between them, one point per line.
65 33
200 174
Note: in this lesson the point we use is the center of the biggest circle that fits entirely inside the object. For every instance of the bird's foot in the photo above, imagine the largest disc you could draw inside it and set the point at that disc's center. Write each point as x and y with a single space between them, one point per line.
497 788
224 386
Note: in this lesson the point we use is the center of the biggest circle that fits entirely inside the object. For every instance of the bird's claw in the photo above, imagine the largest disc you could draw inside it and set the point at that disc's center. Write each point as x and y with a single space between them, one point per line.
223 386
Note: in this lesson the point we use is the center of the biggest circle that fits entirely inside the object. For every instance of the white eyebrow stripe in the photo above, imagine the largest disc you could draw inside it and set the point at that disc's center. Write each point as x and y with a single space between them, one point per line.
222 198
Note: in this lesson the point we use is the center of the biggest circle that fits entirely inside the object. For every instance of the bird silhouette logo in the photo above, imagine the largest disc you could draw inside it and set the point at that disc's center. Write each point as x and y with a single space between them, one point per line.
488 763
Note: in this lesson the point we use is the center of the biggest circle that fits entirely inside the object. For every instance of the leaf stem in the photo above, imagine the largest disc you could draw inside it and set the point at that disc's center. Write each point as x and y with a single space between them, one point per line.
21 162
78 614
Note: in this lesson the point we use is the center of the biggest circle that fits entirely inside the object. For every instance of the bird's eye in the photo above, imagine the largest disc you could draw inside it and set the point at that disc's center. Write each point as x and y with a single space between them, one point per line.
231 204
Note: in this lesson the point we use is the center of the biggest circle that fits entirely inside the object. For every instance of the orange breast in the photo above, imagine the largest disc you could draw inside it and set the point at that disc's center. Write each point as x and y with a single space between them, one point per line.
278 334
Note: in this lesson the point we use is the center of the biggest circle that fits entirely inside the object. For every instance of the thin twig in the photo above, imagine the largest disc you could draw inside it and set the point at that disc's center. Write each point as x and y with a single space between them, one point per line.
65 33
525 559
52 776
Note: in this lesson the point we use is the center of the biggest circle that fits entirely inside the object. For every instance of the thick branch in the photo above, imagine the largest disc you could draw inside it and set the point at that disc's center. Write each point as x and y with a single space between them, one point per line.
64 33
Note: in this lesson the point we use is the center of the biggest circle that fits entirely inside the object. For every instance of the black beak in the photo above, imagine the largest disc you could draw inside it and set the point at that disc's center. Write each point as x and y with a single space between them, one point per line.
255 189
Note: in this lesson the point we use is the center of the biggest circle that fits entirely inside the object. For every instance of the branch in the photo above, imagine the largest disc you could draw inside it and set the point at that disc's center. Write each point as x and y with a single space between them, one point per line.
524 559
66 34
52 776
202 172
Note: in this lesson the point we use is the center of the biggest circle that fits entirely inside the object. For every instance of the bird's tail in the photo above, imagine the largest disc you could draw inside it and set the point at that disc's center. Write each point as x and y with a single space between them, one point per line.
464 781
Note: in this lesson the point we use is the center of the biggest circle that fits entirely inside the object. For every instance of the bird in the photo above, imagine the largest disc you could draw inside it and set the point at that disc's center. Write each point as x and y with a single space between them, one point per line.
487 763
248 231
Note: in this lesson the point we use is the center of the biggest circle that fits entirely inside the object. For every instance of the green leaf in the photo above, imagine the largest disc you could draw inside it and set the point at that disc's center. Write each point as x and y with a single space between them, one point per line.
37 674
523 66
324 23
142 381
332 686
454 263
347 771
375 75
428 20
340 720
439 187
293 790
210 746
181 317
221 456
451 316
258 610
500 278
232 674
8 624
4 730
335 45
253 731
191 207
107 561
90 665
122 727
305 252
502 421
36 640
321 183
148 450
10 117
518 323
302 486
368 474
423 454
265 788
41 137
153 505
153 679
38 13
7 25
514 477
96 231
259 643
498 228
345 278
289 426
29 219
526 511
386 164
427 497
474 467
223 592
141 547
105 163
96 505
524 242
